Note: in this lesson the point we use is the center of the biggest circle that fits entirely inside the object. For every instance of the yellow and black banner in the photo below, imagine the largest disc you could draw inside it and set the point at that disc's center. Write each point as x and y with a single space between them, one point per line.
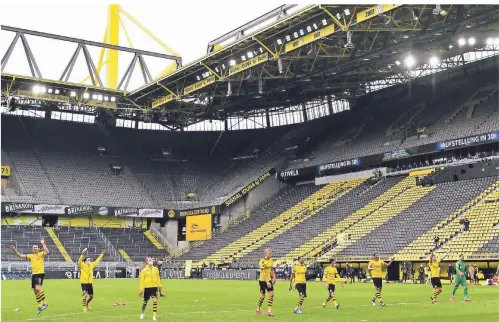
244 191
198 227
374 11
307 39
101 104
162 100
194 87
176 214
248 64
5 171
43 96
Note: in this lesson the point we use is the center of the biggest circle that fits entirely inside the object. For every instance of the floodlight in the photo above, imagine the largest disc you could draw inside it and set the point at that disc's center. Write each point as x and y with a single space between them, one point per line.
295 34
461 42
43 89
496 41
49 90
113 99
36 89
94 96
232 62
243 57
249 54
409 61
302 32
106 98
397 63
489 41
279 41
434 60
86 95
315 26
288 38
471 41
198 78
347 12
99 97
309 29
57 91
324 22
72 94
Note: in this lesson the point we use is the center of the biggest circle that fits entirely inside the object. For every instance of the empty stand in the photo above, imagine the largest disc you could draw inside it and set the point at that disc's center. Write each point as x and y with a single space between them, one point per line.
400 230
133 242
23 238
449 224
259 216
285 221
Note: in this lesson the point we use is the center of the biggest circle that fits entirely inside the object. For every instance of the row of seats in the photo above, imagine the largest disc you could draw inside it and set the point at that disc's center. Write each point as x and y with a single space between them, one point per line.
449 225
285 221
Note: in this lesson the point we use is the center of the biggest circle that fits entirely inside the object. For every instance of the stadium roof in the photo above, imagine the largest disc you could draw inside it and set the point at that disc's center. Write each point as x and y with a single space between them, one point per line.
320 50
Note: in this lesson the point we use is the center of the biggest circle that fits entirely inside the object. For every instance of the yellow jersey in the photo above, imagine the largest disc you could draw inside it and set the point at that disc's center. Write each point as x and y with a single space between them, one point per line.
300 272
37 262
379 270
435 268
330 274
266 266
149 277
86 270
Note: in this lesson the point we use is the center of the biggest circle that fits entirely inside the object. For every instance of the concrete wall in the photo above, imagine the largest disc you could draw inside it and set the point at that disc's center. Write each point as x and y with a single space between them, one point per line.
265 191
170 231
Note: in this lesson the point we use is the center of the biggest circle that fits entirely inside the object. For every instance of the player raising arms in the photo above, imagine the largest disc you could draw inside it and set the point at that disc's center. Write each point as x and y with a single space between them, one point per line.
37 272
377 268
149 284
462 270
86 277
435 275
330 276
267 280
299 274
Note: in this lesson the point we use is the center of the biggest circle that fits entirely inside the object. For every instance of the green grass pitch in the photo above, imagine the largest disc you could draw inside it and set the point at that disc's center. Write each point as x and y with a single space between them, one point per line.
202 300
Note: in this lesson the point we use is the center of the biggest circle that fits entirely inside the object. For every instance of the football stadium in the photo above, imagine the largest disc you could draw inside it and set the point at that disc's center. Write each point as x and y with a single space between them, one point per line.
319 162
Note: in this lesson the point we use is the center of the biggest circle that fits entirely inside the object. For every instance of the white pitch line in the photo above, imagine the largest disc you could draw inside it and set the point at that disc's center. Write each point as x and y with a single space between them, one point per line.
72 314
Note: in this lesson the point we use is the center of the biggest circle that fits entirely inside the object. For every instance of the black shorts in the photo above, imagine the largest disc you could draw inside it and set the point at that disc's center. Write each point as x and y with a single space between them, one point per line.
378 282
87 288
331 288
264 287
37 279
302 289
150 292
435 282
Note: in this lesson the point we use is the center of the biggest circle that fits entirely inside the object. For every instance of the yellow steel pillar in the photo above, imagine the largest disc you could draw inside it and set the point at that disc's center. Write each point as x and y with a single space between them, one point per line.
113 38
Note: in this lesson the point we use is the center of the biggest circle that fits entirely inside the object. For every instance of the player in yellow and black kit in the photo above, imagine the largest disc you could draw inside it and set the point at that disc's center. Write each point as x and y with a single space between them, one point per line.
299 274
330 274
267 280
150 282
378 268
86 277
37 260
435 276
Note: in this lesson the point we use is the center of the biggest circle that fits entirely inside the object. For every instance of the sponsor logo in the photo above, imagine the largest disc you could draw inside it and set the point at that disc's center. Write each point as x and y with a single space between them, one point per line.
151 213
194 212
230 275
125 211
171 213
248 188
290 173
79 209
18 207
103 211
194 226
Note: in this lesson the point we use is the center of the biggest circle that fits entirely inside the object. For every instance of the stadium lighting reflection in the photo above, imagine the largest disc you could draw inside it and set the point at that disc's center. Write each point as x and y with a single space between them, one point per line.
409 61
434 60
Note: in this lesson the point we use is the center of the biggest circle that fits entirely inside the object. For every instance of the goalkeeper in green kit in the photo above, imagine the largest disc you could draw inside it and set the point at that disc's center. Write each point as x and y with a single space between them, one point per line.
462 270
